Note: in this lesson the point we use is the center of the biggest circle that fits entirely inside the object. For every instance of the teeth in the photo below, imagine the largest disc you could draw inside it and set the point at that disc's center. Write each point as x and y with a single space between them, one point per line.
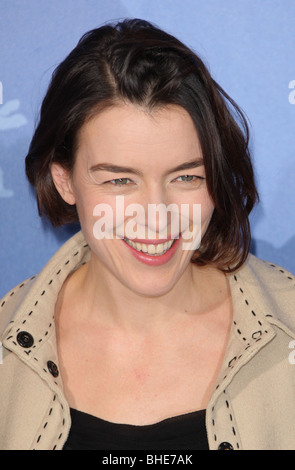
150 248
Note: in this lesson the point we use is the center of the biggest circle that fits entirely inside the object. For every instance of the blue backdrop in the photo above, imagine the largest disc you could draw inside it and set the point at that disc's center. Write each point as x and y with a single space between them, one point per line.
249 47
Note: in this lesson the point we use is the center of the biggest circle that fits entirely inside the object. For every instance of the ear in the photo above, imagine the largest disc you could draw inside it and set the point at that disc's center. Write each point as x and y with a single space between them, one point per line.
62 181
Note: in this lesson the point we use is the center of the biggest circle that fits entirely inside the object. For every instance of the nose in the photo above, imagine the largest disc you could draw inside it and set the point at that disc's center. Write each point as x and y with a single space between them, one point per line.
159 216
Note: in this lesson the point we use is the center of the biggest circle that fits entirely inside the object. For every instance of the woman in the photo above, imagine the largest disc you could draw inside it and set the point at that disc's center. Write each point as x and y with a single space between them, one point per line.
127 339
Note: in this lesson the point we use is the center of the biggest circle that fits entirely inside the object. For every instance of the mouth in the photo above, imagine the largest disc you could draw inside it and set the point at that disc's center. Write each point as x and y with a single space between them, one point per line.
151 249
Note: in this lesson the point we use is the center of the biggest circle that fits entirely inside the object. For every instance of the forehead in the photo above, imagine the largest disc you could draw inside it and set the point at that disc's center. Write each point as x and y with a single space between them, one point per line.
126 132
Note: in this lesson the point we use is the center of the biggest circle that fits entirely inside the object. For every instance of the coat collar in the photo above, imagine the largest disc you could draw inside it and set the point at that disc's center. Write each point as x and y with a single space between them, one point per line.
262 294
27 325
263 297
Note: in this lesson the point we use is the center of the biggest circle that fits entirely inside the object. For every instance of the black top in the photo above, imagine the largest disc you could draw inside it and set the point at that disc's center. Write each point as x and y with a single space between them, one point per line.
184 432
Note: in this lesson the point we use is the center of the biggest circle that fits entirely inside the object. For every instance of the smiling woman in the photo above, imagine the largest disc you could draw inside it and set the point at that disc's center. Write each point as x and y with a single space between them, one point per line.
129 338
137 64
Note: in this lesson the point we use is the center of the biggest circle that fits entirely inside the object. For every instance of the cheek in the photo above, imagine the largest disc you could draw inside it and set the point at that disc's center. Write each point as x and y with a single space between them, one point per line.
200 209
85 203
207 211
195 216
99 217
84 208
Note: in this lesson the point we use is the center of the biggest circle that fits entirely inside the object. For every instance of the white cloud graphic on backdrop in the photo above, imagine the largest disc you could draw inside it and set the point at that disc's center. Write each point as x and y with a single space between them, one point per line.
9 119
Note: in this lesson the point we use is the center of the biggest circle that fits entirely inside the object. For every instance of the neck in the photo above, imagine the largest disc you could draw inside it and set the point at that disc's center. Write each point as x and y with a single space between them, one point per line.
99 298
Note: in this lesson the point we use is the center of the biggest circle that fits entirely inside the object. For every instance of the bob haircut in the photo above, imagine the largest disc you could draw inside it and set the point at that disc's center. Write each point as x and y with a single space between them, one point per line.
136 62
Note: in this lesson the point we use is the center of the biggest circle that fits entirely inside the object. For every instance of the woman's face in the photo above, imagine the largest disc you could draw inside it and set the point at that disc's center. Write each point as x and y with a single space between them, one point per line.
127 156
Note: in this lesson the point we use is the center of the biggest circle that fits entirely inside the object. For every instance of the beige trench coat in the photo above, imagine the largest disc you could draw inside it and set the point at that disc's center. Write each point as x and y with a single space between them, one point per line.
252 407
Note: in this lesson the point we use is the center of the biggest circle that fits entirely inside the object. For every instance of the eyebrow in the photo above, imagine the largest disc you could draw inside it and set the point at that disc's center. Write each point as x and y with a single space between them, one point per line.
124 169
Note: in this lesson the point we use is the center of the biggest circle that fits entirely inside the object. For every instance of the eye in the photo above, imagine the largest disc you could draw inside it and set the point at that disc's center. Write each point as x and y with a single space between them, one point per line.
188 178
119 181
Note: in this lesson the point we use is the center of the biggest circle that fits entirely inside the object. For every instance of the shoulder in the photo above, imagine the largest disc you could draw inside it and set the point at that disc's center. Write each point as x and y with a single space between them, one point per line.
268 276
44 287
272 287
11 302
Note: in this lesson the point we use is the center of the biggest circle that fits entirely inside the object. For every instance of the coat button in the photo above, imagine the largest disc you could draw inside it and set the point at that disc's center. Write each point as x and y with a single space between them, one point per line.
225 446
25 339
53 369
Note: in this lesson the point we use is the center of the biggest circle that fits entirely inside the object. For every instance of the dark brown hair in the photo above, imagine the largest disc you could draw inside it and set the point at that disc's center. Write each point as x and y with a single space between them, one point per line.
137 62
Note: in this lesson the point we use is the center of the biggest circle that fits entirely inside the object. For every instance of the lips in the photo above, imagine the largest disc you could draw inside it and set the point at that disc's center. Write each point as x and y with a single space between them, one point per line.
151 248
152 254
